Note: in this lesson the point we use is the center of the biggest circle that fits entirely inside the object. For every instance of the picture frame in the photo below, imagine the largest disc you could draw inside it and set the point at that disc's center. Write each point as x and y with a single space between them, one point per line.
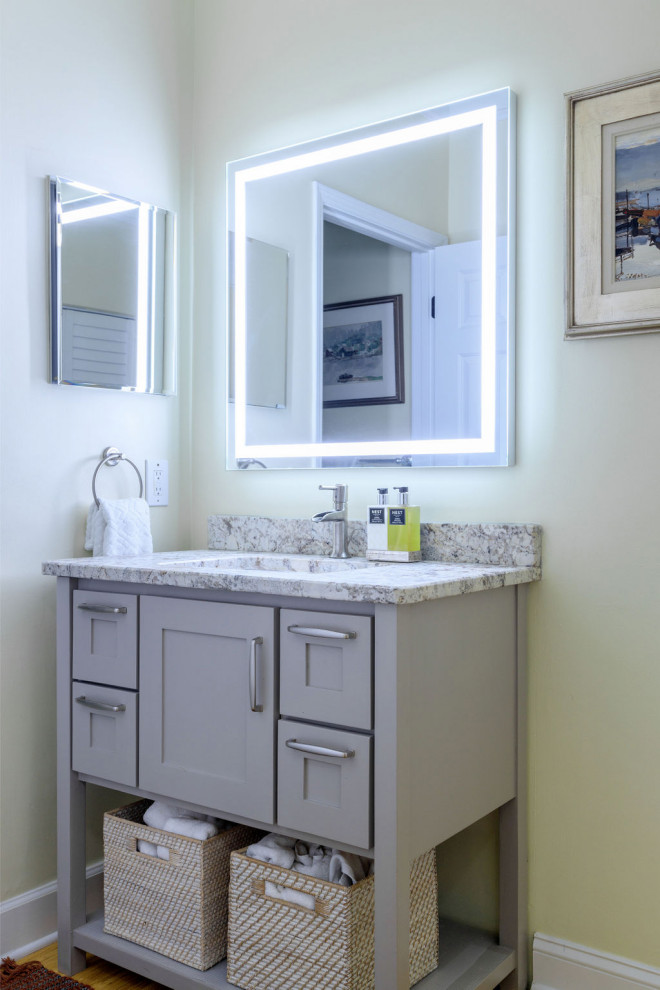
363 352
613 209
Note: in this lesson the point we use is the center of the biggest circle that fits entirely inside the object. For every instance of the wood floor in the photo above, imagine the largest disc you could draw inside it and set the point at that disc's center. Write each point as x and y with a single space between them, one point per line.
99 974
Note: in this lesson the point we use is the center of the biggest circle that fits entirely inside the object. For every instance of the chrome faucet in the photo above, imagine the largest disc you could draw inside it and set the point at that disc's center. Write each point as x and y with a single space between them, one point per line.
337 515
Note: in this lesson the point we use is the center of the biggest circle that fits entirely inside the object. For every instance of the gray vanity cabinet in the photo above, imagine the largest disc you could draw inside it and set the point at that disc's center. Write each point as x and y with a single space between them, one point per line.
383 728
207 704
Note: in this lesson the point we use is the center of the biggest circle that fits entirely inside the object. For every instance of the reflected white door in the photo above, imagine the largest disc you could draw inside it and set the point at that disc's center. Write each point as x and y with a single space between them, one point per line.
447 353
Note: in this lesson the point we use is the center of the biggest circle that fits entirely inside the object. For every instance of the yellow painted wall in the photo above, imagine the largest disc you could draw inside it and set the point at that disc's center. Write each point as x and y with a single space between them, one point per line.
97 92
588 468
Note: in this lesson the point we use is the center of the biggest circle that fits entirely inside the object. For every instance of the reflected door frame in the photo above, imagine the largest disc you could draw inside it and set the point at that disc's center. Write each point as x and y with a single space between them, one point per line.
336 207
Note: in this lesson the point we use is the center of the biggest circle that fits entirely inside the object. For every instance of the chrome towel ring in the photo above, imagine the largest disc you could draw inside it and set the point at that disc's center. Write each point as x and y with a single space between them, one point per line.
112 456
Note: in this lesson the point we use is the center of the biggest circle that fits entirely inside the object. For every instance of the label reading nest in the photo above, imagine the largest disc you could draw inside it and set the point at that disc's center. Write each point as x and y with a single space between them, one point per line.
376 515
397 517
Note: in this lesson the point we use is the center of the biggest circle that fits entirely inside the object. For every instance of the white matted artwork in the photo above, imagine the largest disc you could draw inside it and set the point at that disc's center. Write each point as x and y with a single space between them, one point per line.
613 209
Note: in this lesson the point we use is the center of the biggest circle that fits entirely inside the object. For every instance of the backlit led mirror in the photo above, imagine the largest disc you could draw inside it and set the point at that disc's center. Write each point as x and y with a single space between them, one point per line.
397 334
112 290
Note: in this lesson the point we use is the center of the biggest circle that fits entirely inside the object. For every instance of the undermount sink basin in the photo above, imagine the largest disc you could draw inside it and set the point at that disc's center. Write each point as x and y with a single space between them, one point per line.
280 563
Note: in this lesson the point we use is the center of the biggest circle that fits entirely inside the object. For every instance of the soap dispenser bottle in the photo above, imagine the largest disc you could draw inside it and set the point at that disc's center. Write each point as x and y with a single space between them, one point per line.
377 528
403 541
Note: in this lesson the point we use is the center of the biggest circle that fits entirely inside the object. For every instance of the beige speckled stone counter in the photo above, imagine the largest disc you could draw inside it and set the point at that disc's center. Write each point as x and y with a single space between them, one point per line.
480 558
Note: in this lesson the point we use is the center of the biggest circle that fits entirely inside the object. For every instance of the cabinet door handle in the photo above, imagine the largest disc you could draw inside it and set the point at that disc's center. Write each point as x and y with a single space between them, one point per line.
342 754
252 674
100 706
321 633
115 609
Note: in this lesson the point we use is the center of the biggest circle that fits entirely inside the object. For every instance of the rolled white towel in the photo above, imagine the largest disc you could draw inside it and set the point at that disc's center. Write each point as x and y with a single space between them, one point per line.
158 813
151 849
276 849
298 897
192 827
146 847
347 868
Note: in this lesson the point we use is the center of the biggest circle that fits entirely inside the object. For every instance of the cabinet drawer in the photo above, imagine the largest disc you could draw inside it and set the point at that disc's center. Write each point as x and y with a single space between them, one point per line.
327 795
104 732
105 638
325 667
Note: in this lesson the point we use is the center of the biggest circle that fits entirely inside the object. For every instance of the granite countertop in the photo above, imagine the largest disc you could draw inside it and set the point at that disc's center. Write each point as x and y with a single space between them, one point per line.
472 558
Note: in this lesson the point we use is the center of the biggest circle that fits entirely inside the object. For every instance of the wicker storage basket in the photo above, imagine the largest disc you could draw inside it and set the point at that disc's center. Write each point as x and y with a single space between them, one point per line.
178 906
276 944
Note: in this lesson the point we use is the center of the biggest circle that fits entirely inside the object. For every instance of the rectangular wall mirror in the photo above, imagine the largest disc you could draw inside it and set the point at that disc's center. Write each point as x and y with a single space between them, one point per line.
419 210
112 298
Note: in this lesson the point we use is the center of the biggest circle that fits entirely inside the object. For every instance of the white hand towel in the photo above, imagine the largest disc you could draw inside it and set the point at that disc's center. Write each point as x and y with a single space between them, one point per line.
127 526
192 827
298 897
94 530
347 868
276 849
312 860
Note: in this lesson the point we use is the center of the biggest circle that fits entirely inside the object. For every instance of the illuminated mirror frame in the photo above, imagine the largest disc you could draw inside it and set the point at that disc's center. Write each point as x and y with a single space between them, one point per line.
484 111
146 379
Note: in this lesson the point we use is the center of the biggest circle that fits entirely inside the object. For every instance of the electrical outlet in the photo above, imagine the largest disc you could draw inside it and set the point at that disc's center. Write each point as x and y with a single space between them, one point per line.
157 478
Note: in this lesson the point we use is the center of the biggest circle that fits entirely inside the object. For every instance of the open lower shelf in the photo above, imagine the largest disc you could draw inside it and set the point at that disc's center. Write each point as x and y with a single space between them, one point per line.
469 960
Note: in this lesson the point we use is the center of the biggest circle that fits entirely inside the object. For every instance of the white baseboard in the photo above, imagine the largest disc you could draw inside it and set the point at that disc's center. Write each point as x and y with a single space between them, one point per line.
561 965
29 921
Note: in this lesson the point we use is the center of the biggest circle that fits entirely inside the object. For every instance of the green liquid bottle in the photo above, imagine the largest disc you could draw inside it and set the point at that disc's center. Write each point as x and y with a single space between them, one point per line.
403 528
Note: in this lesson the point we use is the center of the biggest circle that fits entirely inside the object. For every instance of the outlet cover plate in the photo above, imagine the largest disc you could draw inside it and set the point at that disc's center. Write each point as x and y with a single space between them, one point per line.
157 480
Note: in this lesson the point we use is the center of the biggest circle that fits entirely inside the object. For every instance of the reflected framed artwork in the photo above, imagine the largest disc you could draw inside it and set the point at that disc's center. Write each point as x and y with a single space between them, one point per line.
613 209
363 352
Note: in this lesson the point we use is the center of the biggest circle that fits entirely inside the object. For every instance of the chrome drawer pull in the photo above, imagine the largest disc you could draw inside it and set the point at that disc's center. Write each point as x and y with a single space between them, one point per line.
115 609
254 643
100 705
321 633
342 754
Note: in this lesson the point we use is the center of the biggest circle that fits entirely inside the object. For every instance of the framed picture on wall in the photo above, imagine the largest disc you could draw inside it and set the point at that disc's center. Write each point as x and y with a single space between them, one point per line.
613 209
363 352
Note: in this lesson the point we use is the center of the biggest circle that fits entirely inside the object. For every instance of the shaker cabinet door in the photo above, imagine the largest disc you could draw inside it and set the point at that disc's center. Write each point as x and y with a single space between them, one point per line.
207 704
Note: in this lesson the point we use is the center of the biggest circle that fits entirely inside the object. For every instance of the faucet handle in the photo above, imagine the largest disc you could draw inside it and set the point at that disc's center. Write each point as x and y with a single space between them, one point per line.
340 494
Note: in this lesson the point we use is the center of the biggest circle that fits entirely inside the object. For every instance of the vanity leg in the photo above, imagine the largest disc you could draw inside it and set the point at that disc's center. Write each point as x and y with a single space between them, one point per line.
391 805
71 906
513 826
